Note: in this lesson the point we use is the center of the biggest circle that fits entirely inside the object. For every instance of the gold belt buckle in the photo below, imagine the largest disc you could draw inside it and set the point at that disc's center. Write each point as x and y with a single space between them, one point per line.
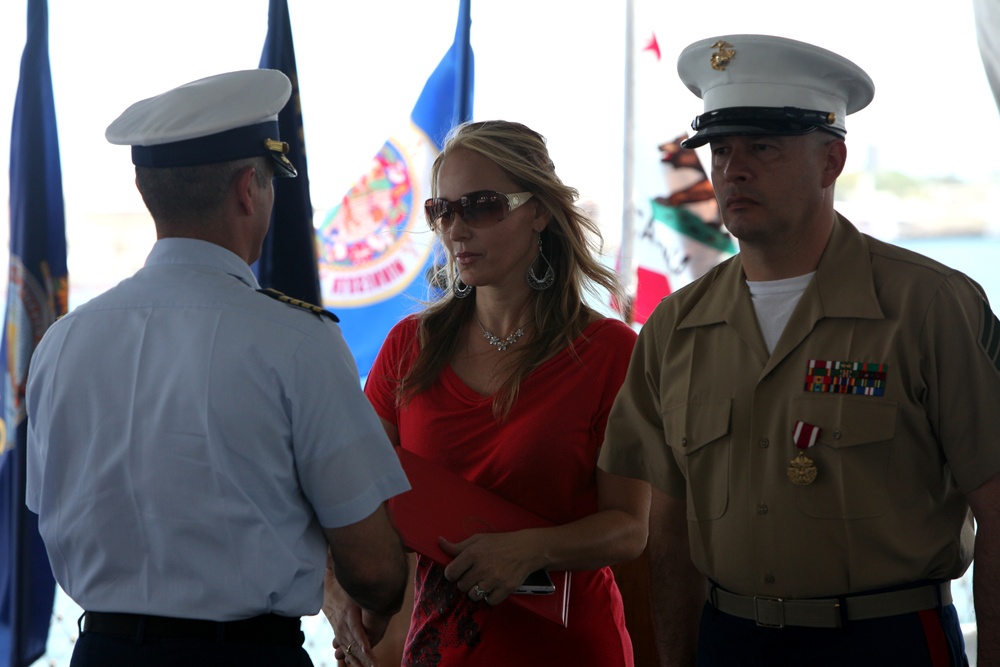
757 599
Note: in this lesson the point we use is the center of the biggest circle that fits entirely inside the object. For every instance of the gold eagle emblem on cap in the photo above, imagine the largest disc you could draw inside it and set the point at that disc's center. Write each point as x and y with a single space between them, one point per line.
276 146
720 59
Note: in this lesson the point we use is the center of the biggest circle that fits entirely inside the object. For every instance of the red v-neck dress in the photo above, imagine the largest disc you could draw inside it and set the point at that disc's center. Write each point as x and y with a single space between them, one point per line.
543 458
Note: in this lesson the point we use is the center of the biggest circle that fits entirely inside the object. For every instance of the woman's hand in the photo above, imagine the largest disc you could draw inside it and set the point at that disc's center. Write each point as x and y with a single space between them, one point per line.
490 566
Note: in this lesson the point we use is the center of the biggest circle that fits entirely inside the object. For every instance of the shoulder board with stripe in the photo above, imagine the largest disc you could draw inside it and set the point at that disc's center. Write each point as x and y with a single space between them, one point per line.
989 336
299 303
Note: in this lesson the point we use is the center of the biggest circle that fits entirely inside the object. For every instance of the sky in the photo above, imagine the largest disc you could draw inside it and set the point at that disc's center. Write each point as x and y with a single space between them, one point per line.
555 65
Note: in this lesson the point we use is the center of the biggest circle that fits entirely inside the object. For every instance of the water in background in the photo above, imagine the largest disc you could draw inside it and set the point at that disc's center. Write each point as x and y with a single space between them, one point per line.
978 257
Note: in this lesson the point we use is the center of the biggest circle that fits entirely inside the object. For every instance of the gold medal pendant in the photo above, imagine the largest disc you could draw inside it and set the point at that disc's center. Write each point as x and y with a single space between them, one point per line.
802 470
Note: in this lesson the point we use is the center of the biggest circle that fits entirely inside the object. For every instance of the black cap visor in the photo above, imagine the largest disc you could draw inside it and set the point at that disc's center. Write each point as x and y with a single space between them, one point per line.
277 150
759 121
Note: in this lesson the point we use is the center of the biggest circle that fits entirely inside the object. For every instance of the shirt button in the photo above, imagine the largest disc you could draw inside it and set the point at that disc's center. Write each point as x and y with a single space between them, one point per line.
768 578
764 443
836 435
684 442
762 509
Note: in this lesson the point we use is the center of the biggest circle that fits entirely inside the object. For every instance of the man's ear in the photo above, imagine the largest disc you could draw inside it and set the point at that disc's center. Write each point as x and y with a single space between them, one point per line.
245 187
836 158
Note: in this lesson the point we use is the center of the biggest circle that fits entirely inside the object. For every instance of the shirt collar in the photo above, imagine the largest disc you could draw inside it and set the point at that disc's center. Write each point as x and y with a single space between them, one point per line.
844 282
201 253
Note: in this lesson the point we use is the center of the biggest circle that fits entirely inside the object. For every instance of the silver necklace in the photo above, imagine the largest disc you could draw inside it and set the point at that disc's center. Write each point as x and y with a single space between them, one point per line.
500 344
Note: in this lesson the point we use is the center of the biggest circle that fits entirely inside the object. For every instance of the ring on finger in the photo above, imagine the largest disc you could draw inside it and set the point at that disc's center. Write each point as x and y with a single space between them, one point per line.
349 648
479 592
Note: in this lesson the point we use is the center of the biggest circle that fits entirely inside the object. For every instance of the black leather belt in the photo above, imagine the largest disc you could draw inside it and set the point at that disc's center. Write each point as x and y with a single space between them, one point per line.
773 612
265 629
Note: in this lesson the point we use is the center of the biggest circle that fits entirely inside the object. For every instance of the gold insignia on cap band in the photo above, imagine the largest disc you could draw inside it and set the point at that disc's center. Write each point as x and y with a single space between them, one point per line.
720 59
831 118
276 146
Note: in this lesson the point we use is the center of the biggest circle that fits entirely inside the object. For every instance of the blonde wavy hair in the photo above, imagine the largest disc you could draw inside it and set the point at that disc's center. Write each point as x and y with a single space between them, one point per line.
572 242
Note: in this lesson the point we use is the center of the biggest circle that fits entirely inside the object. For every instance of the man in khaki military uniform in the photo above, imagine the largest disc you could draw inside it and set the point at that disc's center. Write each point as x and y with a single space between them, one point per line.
818 414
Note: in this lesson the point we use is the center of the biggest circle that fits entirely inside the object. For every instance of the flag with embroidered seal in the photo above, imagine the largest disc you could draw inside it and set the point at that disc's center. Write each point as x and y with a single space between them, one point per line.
376 251
37 294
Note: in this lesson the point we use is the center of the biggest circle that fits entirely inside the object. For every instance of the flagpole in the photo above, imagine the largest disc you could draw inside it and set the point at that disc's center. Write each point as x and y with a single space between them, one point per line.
464 66
628 176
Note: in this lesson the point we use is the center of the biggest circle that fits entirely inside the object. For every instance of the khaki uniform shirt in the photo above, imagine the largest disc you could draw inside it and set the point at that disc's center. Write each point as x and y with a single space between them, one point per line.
708 415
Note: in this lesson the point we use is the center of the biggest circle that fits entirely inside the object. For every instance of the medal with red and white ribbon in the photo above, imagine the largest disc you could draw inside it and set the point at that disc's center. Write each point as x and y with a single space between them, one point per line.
802 470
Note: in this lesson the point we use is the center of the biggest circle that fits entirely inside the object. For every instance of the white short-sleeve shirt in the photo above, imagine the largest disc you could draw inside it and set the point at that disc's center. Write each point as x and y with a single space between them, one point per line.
188 439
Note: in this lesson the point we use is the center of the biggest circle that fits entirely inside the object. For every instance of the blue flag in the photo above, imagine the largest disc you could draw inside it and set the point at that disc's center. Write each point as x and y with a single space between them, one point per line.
36 295
375 248
288 258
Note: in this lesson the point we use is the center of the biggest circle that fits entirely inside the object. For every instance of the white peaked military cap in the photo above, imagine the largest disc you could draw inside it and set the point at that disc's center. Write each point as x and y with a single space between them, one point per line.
220 118
764 85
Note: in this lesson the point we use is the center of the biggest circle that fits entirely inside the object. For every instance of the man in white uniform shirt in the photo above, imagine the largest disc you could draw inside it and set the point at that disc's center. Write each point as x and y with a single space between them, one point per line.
196 447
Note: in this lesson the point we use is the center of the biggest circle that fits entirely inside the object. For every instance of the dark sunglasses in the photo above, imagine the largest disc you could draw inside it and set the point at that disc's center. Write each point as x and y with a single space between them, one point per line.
477 209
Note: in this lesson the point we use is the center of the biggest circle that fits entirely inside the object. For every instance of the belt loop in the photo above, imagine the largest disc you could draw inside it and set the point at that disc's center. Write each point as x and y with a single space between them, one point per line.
938 585
713 598
842 608
79 623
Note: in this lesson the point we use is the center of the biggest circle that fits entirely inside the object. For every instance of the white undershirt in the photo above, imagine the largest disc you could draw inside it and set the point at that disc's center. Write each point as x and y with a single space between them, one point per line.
774 301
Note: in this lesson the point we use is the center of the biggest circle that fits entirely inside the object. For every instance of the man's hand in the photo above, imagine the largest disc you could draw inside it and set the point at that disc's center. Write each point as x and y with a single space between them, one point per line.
355 630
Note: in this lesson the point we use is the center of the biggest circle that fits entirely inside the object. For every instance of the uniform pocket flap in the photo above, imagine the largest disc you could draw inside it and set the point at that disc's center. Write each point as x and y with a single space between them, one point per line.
847 421
692 425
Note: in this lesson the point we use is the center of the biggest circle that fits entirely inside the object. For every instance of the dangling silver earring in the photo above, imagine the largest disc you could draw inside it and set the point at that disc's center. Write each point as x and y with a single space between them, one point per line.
548 278
458 288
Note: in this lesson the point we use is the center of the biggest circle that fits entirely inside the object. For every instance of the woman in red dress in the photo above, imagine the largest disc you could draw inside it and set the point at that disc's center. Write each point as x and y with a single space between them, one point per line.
507 380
